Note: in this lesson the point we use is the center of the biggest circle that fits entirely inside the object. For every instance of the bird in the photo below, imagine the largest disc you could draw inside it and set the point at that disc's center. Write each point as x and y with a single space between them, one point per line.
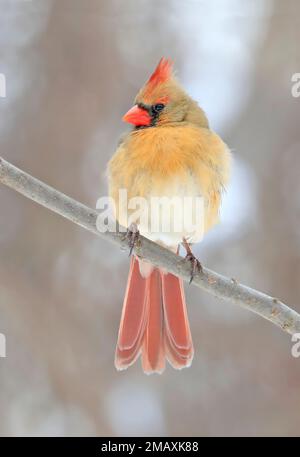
171 151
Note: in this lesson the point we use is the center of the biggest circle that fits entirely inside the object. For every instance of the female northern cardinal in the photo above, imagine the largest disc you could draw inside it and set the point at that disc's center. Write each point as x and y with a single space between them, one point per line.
171 151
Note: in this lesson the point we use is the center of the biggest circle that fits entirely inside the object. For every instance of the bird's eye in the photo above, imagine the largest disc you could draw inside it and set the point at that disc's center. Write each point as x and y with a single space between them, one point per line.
158 107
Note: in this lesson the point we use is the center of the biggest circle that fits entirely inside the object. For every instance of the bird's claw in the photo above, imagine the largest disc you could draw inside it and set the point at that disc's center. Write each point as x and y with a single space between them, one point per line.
133 236
195 265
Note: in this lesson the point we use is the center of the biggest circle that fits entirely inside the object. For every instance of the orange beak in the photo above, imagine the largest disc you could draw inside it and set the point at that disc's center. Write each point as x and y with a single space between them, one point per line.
137 116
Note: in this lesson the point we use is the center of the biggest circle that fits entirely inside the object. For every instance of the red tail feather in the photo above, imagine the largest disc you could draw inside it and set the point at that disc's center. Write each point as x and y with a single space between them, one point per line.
154 321
178 339
153 359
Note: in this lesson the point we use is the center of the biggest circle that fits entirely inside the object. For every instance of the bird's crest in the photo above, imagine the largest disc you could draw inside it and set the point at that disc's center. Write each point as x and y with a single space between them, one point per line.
161 74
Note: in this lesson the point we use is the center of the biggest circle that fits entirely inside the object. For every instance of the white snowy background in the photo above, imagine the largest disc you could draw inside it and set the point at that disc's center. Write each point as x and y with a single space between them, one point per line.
72 69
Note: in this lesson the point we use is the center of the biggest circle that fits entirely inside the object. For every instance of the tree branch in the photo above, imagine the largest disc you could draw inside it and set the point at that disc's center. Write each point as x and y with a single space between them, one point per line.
227 289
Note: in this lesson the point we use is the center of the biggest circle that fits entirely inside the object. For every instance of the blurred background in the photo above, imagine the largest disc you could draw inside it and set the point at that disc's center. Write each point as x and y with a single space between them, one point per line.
72 69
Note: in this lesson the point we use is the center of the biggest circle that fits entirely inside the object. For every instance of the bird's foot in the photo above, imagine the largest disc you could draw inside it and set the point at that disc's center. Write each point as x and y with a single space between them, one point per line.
133 237
195 263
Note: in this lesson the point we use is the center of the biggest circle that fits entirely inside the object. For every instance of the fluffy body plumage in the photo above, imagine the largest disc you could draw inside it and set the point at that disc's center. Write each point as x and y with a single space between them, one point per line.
169 153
